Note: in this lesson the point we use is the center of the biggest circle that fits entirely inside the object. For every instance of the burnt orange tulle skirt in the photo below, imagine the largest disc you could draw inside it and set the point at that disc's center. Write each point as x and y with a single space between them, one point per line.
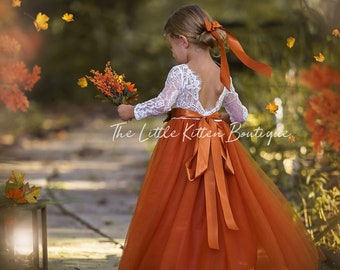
206 205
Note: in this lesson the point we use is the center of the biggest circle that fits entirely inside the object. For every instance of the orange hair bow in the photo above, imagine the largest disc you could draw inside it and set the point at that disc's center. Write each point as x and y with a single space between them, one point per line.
236 47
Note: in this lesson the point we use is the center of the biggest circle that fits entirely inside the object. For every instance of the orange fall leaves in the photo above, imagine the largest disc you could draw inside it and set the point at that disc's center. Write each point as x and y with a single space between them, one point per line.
15 78
19 191
322 113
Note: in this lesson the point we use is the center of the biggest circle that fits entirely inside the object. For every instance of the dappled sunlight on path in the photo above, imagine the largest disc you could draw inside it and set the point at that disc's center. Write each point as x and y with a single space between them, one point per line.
92 183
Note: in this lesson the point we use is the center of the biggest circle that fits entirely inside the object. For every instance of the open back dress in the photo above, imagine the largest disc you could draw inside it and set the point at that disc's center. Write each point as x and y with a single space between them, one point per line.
205 204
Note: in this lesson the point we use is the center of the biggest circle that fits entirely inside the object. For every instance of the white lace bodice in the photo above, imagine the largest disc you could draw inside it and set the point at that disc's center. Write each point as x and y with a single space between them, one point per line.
181 90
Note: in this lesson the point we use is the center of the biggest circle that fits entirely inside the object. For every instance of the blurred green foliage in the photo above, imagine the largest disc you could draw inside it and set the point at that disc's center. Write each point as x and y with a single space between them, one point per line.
129 34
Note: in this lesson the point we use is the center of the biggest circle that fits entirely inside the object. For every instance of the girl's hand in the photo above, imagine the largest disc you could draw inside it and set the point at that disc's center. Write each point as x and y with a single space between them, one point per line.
226 118
126 112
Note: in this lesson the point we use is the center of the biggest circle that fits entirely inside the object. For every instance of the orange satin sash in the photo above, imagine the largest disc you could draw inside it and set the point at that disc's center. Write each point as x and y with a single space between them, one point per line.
236 47
211 163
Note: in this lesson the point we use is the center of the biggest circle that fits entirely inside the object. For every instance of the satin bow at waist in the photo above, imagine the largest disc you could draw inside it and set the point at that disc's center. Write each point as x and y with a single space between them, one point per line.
210 162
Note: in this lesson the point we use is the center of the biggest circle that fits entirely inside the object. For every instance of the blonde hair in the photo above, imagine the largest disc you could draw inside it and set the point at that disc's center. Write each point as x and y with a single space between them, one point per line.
189 22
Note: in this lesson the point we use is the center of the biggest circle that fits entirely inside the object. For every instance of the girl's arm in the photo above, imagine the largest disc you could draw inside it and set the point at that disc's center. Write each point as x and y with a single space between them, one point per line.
226 118
158 105
126 112
236 110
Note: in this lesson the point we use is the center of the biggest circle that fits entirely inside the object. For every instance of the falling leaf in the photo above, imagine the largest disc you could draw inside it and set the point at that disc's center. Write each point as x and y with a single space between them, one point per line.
16 3
336 32
82 82
68 17
40 22
320 58
291 139
272 107
290 42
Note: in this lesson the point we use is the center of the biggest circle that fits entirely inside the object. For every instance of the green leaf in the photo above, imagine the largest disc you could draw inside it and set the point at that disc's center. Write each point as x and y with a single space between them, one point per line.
332 223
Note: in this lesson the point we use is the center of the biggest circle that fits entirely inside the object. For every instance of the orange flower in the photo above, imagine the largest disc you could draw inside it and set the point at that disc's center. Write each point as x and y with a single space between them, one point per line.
112 86
131 87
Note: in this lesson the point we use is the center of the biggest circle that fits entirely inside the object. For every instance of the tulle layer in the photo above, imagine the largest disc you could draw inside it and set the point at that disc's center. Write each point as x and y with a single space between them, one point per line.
185 225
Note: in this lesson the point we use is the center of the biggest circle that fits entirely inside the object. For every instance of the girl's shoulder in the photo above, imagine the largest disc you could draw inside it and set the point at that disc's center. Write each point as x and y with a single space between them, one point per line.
178 71
181 70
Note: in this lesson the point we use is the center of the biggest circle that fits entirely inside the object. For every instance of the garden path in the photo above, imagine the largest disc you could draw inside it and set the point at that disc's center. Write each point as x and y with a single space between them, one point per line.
92 179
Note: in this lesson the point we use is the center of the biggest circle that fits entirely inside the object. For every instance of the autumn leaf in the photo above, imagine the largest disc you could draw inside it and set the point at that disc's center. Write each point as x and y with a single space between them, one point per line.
320 58
82 82
9 46
290 42
13 184
320 77
15 77
272 107
17 178
322 113
17 195
291 139
40 22
16 3
32 193
336 32
19 191
68 17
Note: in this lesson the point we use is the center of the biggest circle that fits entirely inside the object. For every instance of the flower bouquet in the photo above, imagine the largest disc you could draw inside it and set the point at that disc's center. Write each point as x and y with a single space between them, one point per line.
112 86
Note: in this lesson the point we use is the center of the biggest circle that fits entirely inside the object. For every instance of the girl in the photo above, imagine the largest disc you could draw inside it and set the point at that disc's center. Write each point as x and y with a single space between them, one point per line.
204 204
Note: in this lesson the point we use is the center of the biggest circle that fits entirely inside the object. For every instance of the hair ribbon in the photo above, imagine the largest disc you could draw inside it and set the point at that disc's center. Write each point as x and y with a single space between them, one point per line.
237 49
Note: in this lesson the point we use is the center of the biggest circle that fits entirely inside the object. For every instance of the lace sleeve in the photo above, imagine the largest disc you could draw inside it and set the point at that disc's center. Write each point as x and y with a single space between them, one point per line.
165 100
232 104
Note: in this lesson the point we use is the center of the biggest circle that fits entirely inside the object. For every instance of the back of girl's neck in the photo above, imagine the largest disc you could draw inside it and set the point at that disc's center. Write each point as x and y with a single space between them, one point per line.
201 64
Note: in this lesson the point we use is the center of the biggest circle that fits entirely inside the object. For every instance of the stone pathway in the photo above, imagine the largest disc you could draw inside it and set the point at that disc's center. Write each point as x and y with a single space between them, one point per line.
92 181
